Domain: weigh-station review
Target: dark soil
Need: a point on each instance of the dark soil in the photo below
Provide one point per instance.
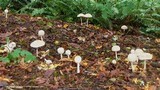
(92, 43)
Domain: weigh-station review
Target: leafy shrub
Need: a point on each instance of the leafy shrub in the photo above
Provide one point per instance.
(107, 13)
(17, 55)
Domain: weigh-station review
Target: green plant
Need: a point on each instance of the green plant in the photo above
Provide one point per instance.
(144, 14)
(17, 55)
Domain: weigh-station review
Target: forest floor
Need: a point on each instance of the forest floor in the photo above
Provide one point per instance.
(92, 43)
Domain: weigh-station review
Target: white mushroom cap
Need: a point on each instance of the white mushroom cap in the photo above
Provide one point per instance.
(132, 51)
(80, 15)
(78, 59)
(138, 51)
(114, 61)
(60, 50)
(6, 10)
(145, 56)
(132, 57)
(12, 45)
(124, 27)
(41, 33)
(115, 48)
(68, 52)
(37, 44)
(88, 15)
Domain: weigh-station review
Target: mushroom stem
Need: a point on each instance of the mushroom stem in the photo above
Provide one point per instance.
(6, 15)
(116, 55)
(61, 56)
(78, 68)
(68, 56)
(37, 52)
(81, 21)
(132, 66)
(144, 65)
(87, 22)
(42, 38)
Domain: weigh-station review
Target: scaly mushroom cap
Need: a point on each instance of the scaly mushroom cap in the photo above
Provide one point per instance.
(115, 48)
(60, 50)
(68, 52)
(80, 15)
(88, 15)
(41, 33)
(145, 56)
(132, 57)
(78, 59)
(37, 44)
(124, 27)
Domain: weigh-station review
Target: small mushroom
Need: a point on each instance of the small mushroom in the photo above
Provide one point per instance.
(88, 15)
(132, 58)
(48, 61)
(138, 52)
(37, 44)
(78, 59)
(60, 50)
(6, 13)
(114, 61)
(116, 48)
(145, 57)
(68, 53)
(124, 27)
(81, 15)
(9, 47)
(41, 34)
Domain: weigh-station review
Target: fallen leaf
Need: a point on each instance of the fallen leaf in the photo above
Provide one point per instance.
(41, 80)
(65, 25)
(48, 73)
(5, 79)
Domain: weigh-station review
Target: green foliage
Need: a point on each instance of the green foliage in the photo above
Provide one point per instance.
(17, 55)
(107, 13)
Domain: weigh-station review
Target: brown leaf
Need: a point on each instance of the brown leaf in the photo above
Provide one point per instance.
(4, 35)
(153, 87)
(75, 45)
(48, 73)
(5, 79)
(114, 72)
(41, 80)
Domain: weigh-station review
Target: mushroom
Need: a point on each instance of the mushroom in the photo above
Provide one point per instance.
(60, 50)
(48, 61)
(9, 47)
(138, 52)
(145, 57)
(114, 61)
(41, 34)
(116, 48)
(68, 52)
(37, 44)
(88, 15)
(124, 27)
(81, 15)
(6, 13)
(132, 58)
(78, 59)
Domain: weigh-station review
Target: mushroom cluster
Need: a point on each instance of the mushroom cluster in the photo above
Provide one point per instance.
(61, 50)
(38, 43)
(139, 54)
(87, 16)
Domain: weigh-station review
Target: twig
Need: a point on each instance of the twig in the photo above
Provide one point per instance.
(21, 87)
